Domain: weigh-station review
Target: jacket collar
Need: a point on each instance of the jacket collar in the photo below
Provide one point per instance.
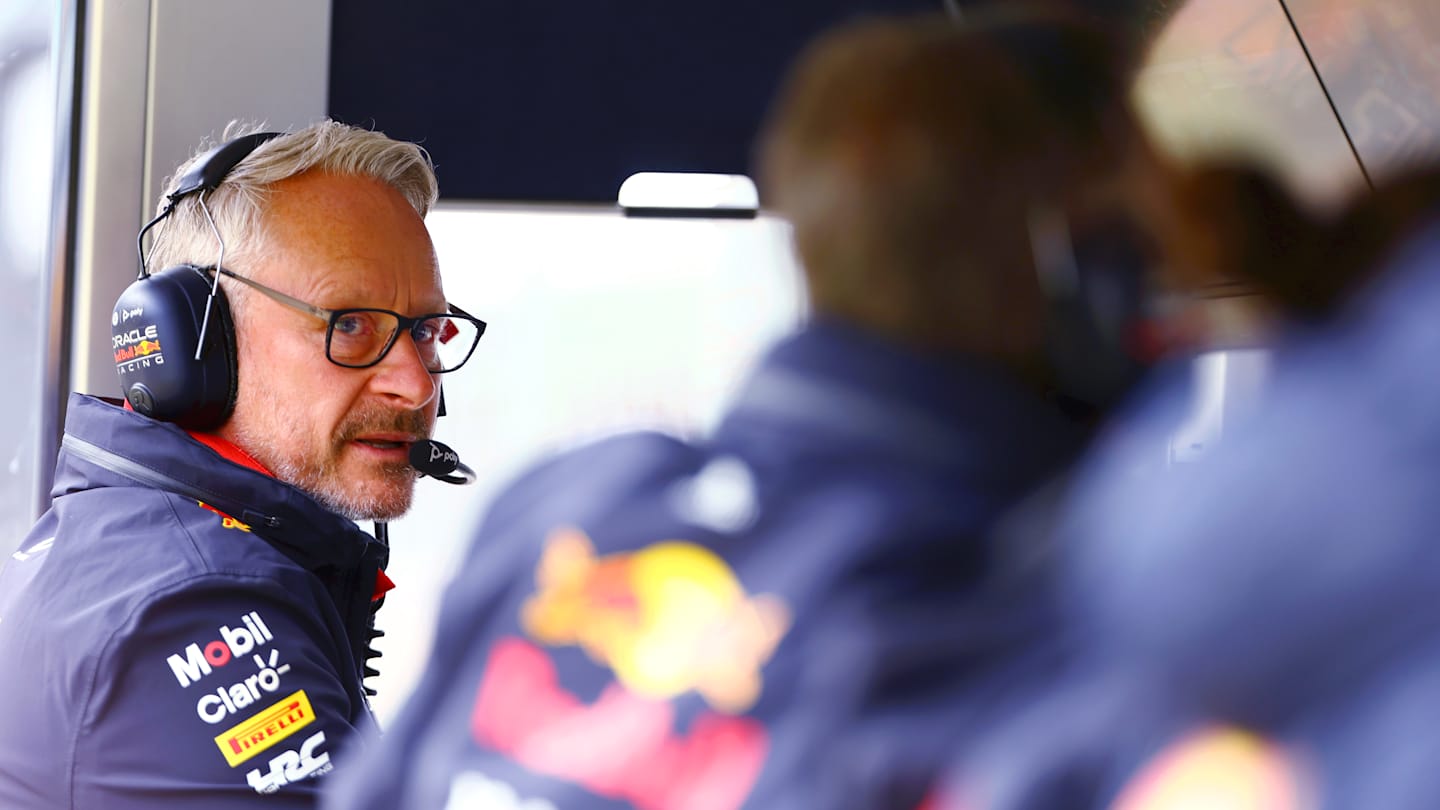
(106, 445)
(838, 382)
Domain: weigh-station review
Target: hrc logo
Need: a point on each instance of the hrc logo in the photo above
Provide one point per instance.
(265, 729)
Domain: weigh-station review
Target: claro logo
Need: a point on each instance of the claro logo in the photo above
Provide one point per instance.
(233, 643)
(227, 700)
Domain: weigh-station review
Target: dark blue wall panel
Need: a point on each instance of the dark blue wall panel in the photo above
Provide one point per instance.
(521, 100)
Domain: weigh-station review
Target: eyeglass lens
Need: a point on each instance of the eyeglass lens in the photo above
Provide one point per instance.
(362, 337)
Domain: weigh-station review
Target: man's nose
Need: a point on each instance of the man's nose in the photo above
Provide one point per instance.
(403, 376)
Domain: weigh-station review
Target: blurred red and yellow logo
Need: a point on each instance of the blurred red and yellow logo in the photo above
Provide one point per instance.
(666, 619)
(1219, 767)
(226, 522)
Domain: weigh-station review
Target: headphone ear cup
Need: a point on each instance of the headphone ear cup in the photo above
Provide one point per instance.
(156, 327)
(1099, 325)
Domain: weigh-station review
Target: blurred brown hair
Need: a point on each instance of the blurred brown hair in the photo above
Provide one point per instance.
(910, 154)
(1241, 231)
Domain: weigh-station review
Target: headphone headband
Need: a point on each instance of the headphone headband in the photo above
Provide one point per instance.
(174, 364)
(213, 166)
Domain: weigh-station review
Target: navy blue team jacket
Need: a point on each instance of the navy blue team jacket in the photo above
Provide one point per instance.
(744, 622)
(177, 630)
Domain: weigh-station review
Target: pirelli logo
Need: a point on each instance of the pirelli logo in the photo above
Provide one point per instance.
(270, 726)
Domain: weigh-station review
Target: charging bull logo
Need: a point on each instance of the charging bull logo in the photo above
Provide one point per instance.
(666, 619)
(144, 348)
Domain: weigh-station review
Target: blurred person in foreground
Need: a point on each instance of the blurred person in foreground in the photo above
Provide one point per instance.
(1260, 626)
(655, 624)
(188, 624)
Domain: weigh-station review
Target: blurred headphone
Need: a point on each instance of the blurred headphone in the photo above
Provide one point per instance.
(1101, 333)
(171, 331)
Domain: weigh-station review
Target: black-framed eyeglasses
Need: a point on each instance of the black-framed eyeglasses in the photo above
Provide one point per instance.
(360, 337)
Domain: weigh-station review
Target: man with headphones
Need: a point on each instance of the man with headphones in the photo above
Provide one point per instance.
(190, 622)
(800, 609)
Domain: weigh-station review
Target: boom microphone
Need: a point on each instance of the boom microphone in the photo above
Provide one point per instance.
(438, 461)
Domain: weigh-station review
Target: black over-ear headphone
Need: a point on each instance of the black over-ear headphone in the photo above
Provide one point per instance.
(1101, 337)
(1100, 334)
(171, 331)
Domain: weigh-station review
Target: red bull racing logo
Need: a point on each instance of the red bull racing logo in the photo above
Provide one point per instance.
(134, 348)
(621, 745)
(666, 619)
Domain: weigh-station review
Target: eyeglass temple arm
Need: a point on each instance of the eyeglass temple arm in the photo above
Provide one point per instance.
(295, 303)
(276, 295)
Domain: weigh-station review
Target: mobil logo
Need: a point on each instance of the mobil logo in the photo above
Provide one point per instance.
(198, 660)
